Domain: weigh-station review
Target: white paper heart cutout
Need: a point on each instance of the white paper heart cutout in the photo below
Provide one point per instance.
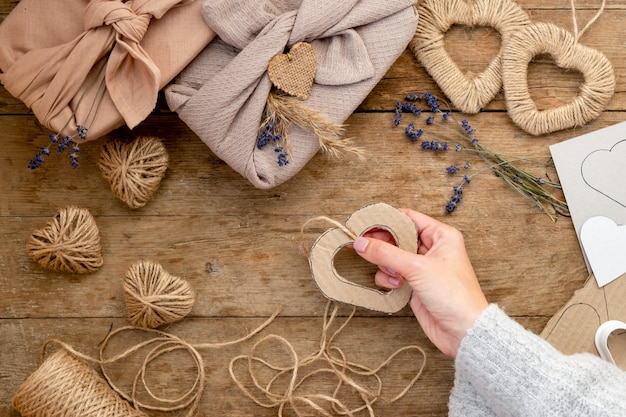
(604, 169)
(604, 243)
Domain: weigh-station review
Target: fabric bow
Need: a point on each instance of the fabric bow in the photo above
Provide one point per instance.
(222, 94)
(50, 80)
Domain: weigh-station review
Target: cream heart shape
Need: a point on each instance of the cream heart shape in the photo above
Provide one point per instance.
(334, 286)
(602, 339)
(294, 72)
(467, 92)
(545, 38)
(604, 243)
(601, 167)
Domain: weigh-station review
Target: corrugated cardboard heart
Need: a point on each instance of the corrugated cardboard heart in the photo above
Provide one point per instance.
(334, 286)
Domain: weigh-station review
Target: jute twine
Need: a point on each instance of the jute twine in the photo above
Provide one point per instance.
(544, 38)
(522, 40)
(154, 297)
(66, 386)
(328, 362)
(135, 169)
(468, 92)
(70, 242)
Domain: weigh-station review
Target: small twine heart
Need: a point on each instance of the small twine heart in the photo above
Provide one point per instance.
(70, 242)
(468, 92)
(294, 72)
(134, 170)
(154, 297)
(545, 38)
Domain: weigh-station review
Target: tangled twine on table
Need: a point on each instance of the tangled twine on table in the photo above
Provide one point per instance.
(333, 362)
(134, 170)
(521, 41)
(65, 385)
(70, 242)
(154, 297)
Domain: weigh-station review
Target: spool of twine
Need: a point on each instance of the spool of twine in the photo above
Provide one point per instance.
(66, 386)
(135, 169)
(154, 297)
(69, 243)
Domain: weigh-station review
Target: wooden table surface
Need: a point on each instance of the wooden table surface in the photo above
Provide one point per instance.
(239, 247)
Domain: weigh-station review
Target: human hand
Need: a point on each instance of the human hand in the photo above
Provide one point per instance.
(447, 297)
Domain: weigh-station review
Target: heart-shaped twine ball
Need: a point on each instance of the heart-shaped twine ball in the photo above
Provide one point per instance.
(134, 169)
(545, 38)
(294, 72)
(154, 297)
(467, 91)
(70, 242)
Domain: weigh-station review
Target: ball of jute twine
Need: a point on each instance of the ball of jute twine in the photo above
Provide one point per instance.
(70, 242)
(468, 92)
(154, 297)
(544, 38)
(67, 386)
(134, 169)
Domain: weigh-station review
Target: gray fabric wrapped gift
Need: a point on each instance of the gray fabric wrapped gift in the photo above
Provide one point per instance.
(222, 94)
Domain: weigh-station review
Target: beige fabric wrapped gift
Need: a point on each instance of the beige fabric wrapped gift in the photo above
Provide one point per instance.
(99, 63)
(222, 94)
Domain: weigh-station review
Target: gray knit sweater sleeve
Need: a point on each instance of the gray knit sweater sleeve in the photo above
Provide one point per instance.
(504, 370)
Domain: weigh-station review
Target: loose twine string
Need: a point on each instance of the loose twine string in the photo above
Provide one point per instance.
(59, 384)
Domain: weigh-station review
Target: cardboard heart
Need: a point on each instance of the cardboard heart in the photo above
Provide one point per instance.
(545, 38)
(468, 92)
(334, 286)
(604, 243)
(70, 242)
(134, 169)
(294, 72)
(601, 167)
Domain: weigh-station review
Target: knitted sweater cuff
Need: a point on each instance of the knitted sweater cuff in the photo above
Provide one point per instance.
(504, 370)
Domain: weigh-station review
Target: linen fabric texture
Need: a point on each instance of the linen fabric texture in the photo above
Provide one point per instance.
(221, 95)
(55, 54)
(504, 370)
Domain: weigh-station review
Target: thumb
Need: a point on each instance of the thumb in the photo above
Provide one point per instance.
(386, 255)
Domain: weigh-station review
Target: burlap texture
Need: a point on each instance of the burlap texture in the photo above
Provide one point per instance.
(221, 95)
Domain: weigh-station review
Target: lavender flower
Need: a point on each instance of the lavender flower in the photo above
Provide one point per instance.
(62, 145)
(537, 189)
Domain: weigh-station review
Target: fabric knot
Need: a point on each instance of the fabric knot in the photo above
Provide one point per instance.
(120, 16)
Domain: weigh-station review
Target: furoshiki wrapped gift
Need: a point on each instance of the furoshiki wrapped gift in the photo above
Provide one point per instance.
(281, 75)
(97, 64)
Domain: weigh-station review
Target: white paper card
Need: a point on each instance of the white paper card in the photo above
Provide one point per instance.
(604, 243)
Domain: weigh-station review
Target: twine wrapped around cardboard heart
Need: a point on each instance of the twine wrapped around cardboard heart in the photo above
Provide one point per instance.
(468, 92)
(134, 170)
(294, 72)
(154, 297)
(545, 38)
(70, 242)
(326, 247)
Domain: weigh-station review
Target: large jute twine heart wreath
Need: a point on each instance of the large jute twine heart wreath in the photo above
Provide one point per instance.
(70, 242)
(467, 91)
(154, 297)
(134, 169)
(545, 38)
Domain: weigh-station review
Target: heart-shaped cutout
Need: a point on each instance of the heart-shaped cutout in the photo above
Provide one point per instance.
(70, 242)
(601, 167)
(294, 72)
(134, 169)
(154, 297)
(545, 38)
(467, 92)
(336, 287)
(604, 243)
